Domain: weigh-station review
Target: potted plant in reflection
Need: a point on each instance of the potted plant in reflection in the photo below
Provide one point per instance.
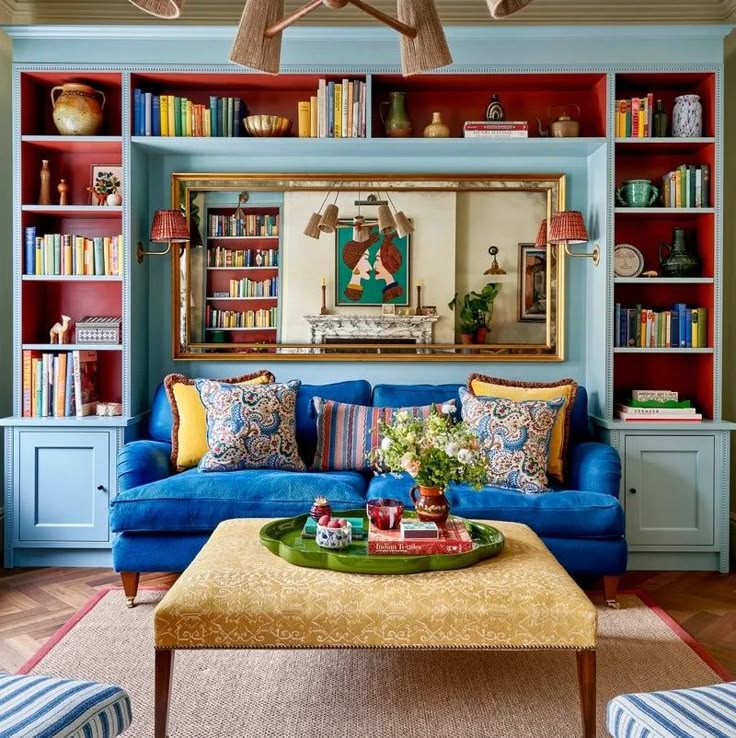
(475, 313)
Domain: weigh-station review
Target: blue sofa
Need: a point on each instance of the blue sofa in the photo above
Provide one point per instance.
(161, 519)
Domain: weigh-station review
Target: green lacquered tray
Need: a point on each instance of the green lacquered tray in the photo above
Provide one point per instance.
(284, 538)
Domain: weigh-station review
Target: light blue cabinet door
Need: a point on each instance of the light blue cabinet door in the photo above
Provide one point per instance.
(63, 485)
(669, 490)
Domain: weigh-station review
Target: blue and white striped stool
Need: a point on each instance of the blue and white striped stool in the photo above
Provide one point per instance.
(702, 712)
(46, 707)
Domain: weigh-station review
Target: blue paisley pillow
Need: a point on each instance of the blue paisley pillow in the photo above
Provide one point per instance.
(515, 437)
(250, 426)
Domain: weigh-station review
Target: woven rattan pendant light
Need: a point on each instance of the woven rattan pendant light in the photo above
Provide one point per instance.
(428, 49)
(251, 47)
(160, 8)
(502, 8)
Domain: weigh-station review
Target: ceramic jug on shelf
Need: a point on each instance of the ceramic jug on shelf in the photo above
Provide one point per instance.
(396, 122)
(77, 109)
(679, 262)
(564, 126)
(637, 193)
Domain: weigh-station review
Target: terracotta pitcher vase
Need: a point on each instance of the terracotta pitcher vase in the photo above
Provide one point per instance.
(77, 109)
(431, 504)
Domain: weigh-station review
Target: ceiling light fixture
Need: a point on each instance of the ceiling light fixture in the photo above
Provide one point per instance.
(257, 43)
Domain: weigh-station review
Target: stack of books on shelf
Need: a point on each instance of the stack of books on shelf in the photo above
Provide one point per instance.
(222, 257)
(680, 327)
(60, 384)
(658, 406)
(252, 288)
(263, 318)
(59, 254)
(336, 111)
(496, 129)
(688, 186)
(169, 115)
(634, 117)
(414, 537)
(254, 224)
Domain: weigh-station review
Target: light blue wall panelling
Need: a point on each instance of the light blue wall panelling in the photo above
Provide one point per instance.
(160, 362)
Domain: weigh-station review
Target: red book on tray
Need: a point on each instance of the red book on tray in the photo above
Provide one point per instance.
(454, 538)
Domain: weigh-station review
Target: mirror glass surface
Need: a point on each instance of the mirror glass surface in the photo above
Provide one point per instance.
(467, 280)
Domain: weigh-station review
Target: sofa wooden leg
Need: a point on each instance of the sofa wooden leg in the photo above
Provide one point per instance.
(610, 591)
(130, 585)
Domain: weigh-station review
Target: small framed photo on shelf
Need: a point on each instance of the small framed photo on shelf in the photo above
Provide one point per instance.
(404, 311)
(427, 310)
(106, 184)
(388, 308)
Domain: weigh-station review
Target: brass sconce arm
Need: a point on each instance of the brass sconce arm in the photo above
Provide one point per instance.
(140, 252)
(595, 254)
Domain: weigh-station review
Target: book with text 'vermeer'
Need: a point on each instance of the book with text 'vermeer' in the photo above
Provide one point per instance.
(453, 538)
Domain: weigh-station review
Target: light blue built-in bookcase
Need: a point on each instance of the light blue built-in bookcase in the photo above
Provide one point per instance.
(61, 472)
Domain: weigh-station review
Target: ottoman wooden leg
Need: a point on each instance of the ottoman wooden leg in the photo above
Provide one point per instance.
(586, 682)
(164, 673)
(130, 585)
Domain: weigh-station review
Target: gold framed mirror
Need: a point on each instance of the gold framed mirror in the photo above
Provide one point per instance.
(470, 282)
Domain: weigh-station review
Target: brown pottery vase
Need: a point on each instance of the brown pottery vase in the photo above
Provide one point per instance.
(431, 504)
(77, 109)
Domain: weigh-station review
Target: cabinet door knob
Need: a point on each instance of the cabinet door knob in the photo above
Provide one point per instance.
(101, 487)
(632, 491)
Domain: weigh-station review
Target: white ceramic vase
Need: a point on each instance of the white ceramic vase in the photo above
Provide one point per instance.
(114, 198)
(687, 117)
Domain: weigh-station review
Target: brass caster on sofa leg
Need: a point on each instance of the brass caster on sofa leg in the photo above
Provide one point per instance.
(131, 601)
(613, 604)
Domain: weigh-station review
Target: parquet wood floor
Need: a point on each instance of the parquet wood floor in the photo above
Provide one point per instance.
(34, 603)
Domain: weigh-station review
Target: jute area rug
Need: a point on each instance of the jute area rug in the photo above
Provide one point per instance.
(331, 694)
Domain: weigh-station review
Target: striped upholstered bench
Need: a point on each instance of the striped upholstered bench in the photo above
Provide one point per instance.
(701, 712)
(46, 707)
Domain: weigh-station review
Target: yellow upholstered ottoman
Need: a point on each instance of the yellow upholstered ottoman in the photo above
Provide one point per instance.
(237, 594)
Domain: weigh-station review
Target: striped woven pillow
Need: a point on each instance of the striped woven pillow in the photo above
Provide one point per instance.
(51, 707)
(346, 434)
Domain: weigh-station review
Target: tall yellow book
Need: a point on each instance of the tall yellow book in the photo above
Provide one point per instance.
(171, 109)
(304, 117)
(314, 116)
(338, 111)
(164, 108)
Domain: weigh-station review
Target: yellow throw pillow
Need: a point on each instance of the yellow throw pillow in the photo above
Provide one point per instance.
(483, 386)
(189, 430)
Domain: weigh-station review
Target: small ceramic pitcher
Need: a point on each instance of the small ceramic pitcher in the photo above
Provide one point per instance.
(637, 193)
(396, 121)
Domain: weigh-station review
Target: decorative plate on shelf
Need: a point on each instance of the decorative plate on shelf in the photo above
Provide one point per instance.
(627, 260)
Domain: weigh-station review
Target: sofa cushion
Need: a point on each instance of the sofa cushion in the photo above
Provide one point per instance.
(405, 395)
(484, 386)
(250, 426)
(192, 501)
(161, 420)
(354, 391)
(563, 513)
(189, 433)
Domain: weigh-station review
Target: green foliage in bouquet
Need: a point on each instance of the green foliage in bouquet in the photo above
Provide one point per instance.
(435, 451)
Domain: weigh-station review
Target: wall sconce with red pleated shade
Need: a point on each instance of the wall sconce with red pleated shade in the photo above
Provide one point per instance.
(169, 226)
(568, 227)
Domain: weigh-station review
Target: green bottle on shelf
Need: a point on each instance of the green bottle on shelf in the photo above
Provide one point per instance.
(659, 121)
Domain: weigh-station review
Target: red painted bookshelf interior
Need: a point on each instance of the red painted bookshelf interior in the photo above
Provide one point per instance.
(524, 97)
(218, 280)
(690, 374)
(45, 300)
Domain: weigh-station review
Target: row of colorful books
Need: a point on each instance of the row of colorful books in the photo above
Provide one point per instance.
(60, 384)
(60, 254)
(169, 115)
(496, 129)
(680, 327)
(634, 117)
(254, 224)
(222, 257)
(252, 288)
(688, 186)
(336, 111)
(263, 318)
(656, 406)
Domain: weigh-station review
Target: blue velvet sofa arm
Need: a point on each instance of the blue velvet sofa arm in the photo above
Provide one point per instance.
(142, 462)
(595, 467)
